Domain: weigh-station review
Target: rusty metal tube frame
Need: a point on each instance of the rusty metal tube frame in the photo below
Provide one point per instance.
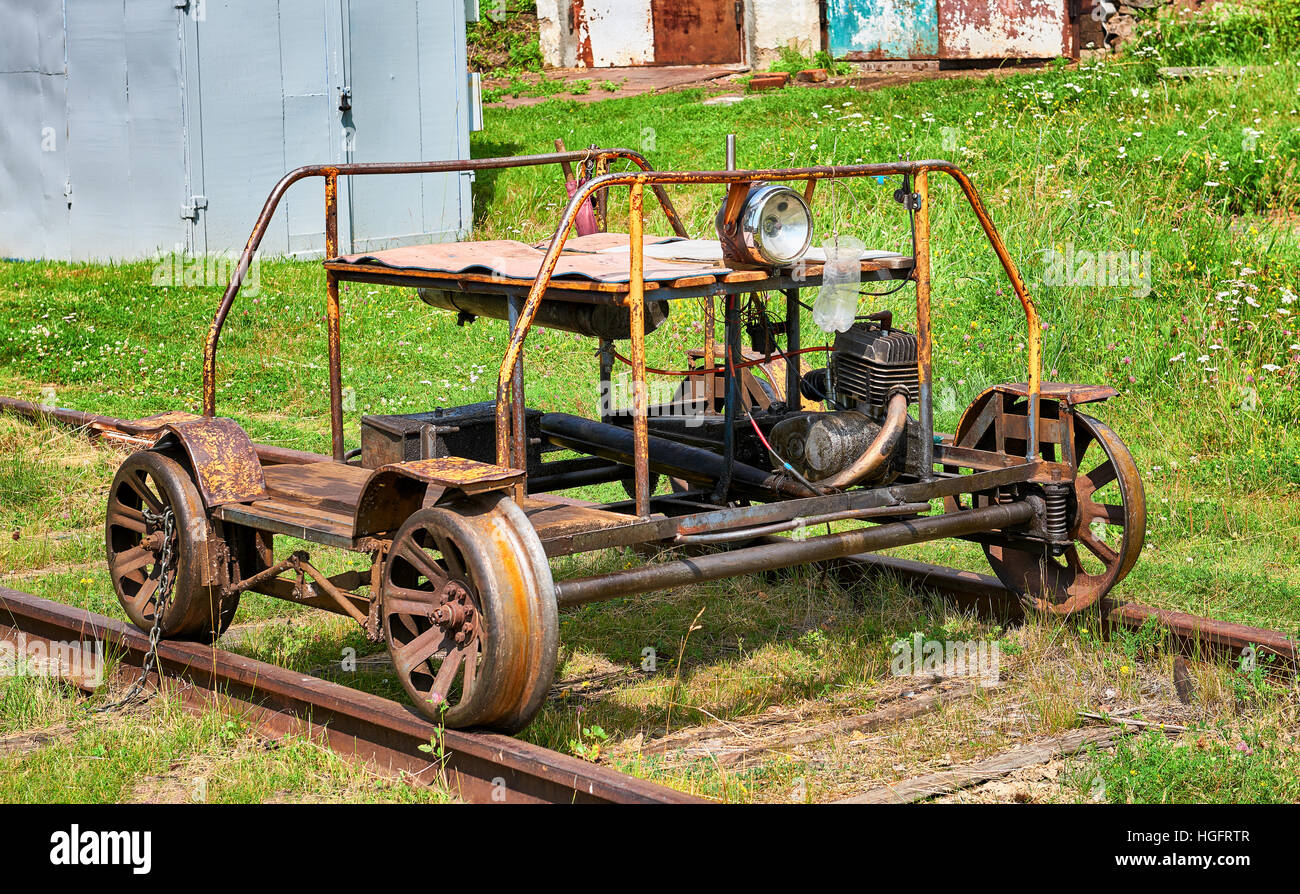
(657, 179)
(331, 173)
(786, 553)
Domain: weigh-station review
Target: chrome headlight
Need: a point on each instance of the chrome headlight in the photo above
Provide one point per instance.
(773, 226)
(777, 223)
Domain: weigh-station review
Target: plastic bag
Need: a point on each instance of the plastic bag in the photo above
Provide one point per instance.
(837, 299)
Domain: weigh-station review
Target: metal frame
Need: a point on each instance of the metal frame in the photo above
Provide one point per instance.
(689, 518)
(509, 383)
(331, 174)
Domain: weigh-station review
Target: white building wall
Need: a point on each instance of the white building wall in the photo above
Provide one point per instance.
(558, 50)
(621, 32)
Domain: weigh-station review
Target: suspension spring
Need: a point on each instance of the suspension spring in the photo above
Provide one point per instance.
(1055, 521)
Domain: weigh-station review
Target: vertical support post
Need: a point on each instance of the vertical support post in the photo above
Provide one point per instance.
(606, 379)
(710, 321)
(730, 350)
(332, 328)
(636, 315)
(793, 399)
(924, 335)
(519, 443)
(710, 350)
(600, 201)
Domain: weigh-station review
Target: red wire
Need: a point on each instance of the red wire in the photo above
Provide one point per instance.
(713, 370)
(758, 431)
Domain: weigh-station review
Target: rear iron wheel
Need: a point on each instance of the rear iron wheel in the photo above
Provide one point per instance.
(1105, 516)
(469, 614)
(147, 485)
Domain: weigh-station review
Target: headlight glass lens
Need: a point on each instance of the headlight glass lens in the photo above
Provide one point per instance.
(777, 221)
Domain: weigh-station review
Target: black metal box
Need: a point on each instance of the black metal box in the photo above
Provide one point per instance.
(468, 431)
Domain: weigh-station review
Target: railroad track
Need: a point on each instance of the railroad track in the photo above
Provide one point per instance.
(478, 767)
(1197, 636)
(1194, 635)
(486, 767)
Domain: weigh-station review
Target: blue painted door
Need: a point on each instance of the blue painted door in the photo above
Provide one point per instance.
(883, 29)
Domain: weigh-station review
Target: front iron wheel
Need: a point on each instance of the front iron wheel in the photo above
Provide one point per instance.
(469, 614)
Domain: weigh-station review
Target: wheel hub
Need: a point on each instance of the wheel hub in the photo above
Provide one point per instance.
(456, 614)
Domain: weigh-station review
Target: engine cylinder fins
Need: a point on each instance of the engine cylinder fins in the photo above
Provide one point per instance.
(868, 361)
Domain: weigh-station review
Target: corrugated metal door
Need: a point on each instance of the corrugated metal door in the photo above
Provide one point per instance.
(260, 102)
(92, 146)
(405, 67)
(34, 174)
(883, 29)
(692, 32)
(276, 85)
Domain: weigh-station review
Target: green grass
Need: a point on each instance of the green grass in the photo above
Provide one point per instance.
(1200, 173)
(504, 39)
(1212, 767)
(792, 62)
(168, 754)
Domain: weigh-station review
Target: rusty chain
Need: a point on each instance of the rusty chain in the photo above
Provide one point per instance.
(167, 520)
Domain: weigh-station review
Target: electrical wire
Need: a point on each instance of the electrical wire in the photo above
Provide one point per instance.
(713, 370)
(731, 368)
(911, 221)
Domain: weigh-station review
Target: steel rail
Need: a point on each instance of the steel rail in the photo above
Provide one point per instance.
(1193, 635)
(479, 767)
(131, 433)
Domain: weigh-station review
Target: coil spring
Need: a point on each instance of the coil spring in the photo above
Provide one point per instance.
(1055, 521)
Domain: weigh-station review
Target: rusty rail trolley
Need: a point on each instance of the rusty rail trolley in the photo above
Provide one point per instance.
(457, 508)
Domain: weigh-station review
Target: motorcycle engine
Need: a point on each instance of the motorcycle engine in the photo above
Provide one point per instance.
(868, 361)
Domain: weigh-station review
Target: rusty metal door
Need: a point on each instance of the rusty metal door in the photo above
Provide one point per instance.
(883, 29)
(693, 32)
(1006, 29)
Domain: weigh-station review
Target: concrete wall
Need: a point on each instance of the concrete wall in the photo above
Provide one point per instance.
(774, 24)
(558, 48)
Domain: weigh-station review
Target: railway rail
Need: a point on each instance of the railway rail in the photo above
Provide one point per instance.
(477, 766)
(1193, 635)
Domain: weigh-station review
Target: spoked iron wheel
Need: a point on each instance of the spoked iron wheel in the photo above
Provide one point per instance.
(469, 614)
(148, 485)
(1105, 516)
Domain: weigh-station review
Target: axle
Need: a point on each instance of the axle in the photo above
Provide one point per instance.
(770, 556)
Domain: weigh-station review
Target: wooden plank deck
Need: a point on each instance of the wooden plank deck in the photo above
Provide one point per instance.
(317, 502)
